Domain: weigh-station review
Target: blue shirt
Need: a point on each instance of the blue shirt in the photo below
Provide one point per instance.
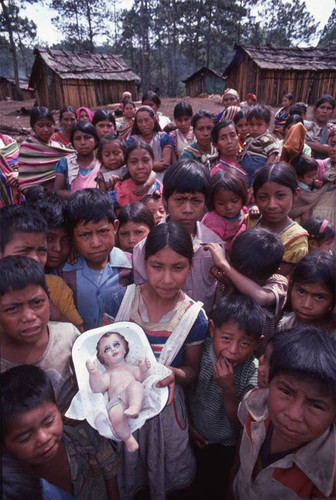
(92, 289)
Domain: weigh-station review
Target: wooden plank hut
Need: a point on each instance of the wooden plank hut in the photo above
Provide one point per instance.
(8, 89)
(270, 72)
(61, 77)
(205, 81)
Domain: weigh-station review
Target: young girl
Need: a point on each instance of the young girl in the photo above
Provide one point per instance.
(125, 123)
(312, 293)
(78, 171)
(38, 154)
(154, 203)
(240, 120)
(317, 133)
(67, 119)
(147, 128)
(151, 99)
(228, 196)
(84, 114)
(321, 234)
(104, 122)
(111, 154)
(140, 161)
(183, 135)
(169, 318)
(135, 222)
(275, 188)
(225, 140)
(202, 149)
(281, 115)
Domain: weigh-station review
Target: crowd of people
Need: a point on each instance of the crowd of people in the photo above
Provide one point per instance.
(215, 230)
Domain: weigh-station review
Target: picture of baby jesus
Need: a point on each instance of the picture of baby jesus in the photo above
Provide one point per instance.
(123, 383)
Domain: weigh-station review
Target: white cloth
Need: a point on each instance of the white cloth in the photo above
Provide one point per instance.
(92, 407)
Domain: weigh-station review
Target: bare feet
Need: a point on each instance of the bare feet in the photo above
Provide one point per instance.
(132, 411)
(131, 444)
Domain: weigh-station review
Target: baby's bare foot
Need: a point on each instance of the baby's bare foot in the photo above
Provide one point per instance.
(132, 444)
(132, 411)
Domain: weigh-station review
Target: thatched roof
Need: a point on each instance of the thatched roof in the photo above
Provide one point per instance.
(22, 82)
(286, 58)
(204, 70)
(86, 66)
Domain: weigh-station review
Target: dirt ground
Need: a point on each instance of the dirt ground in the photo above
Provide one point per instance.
(16, 113)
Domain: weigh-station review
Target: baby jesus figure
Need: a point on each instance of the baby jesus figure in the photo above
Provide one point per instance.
(123, 383)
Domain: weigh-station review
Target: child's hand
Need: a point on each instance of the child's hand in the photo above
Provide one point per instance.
(12, 179)
(254, 212)
(218, 273)
(112, 182)
(223, 374)
(197, 438)
(318, 184)
(218, 255)
(170, 383)
(91, 366)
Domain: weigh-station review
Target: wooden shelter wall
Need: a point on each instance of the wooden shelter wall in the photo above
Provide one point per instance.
(7, 89)
(269, 85)
(76, 93)
(195, 86)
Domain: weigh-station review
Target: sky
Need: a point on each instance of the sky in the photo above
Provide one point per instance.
(320, 9)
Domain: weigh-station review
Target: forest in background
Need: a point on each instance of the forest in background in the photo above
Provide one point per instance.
(163, 41)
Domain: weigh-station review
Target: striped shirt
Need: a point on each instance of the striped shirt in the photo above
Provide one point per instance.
(207, 403)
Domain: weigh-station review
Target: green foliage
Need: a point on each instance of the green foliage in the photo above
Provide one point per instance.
(328, 34)
(285, 23)
(81, 22)
(18, 31)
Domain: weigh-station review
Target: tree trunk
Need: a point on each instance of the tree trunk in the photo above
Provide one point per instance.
(12, 48)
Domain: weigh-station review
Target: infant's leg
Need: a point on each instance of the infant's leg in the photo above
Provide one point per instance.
(134, 393)
(120, 425)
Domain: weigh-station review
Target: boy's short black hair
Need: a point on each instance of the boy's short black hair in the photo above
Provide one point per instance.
(243, 310)
(186, 176)
(260, 112)
(23, 388)
(305, 352)
(19, 271)
(54, 210)
(90, 205)
(17, 218)
(257, 253)
(304, 164)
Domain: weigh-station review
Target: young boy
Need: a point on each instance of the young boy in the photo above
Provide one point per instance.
(254, 260)
(27, 334)
(59, 241)
(288, 449)
(306, 173)
(101, 269)
(77, 459)
(186, 187)
(260, 146)
(23, 232)
(228, 371)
